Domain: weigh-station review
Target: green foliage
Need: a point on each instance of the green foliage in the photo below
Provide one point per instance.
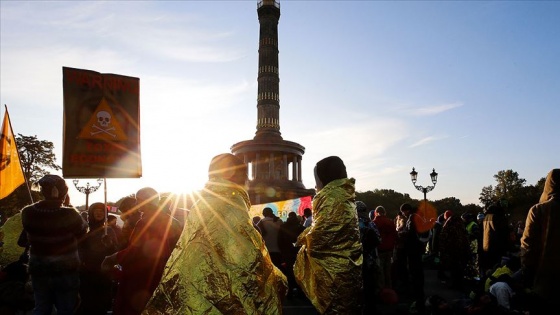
(36, 157)
(510, 190)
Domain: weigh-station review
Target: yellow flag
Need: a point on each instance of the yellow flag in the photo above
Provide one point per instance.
(11, 174)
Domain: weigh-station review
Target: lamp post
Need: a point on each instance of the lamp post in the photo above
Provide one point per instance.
(427, 189)
(87, 189)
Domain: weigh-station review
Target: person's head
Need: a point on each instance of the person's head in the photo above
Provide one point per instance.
(293, 217)
(147, 199)
(112, 219)
(96, 213)
(228, 166)
(307, 212)
(256, 219)
(127, 204)
(267, 212)
(467, 217)
(362, 209)
(495, 208)
(406, 209)
(53, 187)
(128, 208)
(551, 185)
(380, 211)
(480, 216)
(447, 214)
(328, 169)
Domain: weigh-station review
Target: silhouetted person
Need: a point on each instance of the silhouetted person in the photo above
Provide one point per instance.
(143, 260)
(221, 264)
(495, 239)
(52, 231)
(287, 237)
(540, 244)
(328, 267)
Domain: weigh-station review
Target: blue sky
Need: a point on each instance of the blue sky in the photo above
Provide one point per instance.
(466, 87)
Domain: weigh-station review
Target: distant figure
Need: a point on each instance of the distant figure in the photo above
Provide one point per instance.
(53, 231)
(329, 264)
(414, 248)
(130, 214)
(388, 232)
(436, 231)
(495, 239)
(308, 215)
(113, 225)
(221, 264)
(270, 226)
(540, 244)
(454, 248)
(371, 271)
(95, 285)
(143, 260)
(400, 277)
(473, 234)
(287, 237)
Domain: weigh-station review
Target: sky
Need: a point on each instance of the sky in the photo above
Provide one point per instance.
(468, 88)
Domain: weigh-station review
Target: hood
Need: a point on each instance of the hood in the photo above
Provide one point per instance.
(551, 185)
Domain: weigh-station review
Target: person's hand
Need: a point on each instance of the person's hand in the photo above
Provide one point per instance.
(109, 263)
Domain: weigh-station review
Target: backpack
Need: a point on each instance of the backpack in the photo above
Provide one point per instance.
(424, 236)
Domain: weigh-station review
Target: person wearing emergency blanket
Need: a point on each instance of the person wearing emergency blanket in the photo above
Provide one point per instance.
(329, 264)
(220, 264)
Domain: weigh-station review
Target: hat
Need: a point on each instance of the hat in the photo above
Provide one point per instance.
(53, 187)
(447, 214)
(480, 216)
(380, 211)
(361, 206)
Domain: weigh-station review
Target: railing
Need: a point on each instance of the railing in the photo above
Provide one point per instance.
(268, 2)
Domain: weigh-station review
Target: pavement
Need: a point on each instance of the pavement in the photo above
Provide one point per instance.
(432, 286)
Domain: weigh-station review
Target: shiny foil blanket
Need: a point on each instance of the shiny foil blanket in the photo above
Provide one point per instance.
(329, 264)
(220, 264)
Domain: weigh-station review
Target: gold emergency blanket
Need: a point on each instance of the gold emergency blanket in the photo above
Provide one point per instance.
(329, 264)
(220, 264)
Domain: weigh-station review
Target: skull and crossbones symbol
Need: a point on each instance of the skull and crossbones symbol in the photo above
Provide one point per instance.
(104, 122)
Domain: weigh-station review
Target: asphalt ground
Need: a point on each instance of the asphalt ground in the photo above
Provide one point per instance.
(300, 305)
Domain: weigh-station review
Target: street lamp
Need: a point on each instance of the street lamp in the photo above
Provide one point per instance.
(427, 189)
(87, 189)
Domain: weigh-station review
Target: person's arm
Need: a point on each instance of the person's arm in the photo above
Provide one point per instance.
(109, 262)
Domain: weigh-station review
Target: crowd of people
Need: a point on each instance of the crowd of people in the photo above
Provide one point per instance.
(339, 255)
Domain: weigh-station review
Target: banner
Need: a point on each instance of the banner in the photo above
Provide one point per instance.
(11, 173)
(282, 208)
(101, 132)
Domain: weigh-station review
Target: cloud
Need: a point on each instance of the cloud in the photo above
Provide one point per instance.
(426, 140)
(434, 110)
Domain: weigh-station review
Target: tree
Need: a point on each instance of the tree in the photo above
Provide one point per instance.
(487, 196)
(449, 203)
(36, 156)
(508, 185)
